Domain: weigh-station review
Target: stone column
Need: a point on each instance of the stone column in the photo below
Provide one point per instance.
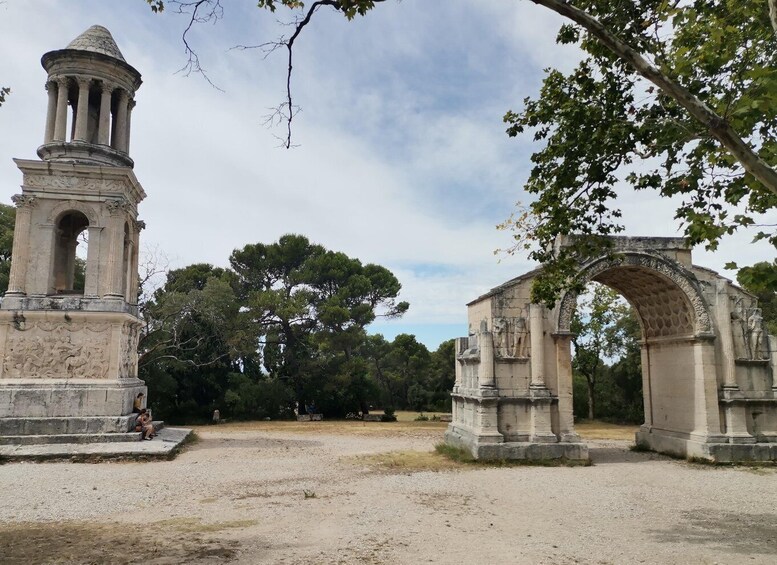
(51, 111)
(104, 129)
(82, 111)
(566, 416)
(537, 338)
(119, 139)
(92, 274)
(60, 127)
(21, 245)
(130, 106)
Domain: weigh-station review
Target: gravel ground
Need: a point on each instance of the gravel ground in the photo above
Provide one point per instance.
(254, 496)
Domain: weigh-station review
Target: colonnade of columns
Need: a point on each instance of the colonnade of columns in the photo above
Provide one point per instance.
(112, 130)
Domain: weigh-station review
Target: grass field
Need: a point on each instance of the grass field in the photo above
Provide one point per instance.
(406, 424)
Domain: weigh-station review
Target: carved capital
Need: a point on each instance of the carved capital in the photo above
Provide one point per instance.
(23, 200)
(116, 205)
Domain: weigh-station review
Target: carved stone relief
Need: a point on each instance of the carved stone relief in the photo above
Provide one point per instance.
(63, 182)
(129, 352)
(669, 304)
(57, 350)
(511, 337)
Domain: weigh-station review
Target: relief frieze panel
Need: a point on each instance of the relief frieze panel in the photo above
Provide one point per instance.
(69, 183)
(511, 337)
(58, 350)
(128, 363)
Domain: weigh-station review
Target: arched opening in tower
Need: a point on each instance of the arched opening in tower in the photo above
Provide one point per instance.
(70, 253)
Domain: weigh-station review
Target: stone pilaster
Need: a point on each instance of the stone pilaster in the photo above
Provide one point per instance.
(115, 275)
(723, 319)
(705, 395)
(647, 389)
(565, 403)
(21, 245)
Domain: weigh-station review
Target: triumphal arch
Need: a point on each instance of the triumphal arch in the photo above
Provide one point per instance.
(709, 368)
(68, 323)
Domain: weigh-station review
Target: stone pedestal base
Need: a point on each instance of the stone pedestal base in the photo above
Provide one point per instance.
(484, 448)
(714, 450)
(88, 411)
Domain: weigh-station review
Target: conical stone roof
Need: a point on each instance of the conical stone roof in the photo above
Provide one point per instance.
(97, 39)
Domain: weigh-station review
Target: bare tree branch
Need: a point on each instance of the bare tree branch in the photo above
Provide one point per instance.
(200, 11)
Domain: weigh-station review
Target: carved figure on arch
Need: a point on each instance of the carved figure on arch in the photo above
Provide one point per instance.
(520, 338)
(754, 333)
(501, 329)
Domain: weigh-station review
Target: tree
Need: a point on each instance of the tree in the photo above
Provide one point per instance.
(712, 92)
(194, 337)
(761, 280)
(7, 221)
(310, 308)
(598, 334)
(619, 393)
(688, 85)
(4, 92)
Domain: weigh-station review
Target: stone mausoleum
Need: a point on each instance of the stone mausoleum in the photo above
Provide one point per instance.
(709, 368)
(69, 328)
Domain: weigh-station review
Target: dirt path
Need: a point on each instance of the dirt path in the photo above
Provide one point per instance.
(315, 494)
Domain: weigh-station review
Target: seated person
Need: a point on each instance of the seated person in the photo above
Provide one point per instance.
(137, 404)
(144, 424)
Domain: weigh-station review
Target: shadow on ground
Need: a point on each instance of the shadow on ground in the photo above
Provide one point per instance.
(607, 452)
(733, 532)
(169, 541)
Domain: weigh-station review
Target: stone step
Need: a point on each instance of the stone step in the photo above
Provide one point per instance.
(66, 426)
(70, 438)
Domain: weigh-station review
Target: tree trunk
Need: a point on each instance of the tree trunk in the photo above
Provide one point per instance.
(591, 406)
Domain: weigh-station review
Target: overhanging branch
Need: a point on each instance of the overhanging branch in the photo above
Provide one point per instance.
(718, 127)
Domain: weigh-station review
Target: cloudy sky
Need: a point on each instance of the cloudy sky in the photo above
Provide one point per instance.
(402, 157)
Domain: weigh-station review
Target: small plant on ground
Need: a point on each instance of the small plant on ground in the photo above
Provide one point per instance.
(422, 418)
(309, 494)
(456, 454)
(640, 447)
